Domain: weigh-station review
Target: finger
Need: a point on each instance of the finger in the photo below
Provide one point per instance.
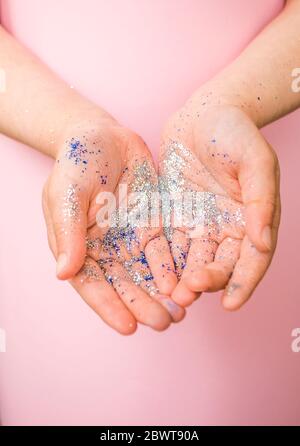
(215, 275)
(179, 246)
(249, 270)
(145, 309)
(68, 208)
(259, 180)
(139, 271)
(201, 253)
(161, 264)
(49, 226)
(176, 312)
(93, 246)
(91, 284)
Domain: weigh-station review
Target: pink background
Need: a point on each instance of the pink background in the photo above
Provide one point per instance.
(141, 60)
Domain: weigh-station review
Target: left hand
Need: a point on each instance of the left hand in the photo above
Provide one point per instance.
(217, 150)
(114, 270)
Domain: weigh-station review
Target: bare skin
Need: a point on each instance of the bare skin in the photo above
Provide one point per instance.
(220, 125)
(227, 155)
(95, 159)
(108, 148)
(231, 162)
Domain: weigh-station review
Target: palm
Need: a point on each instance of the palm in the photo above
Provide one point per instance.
(120, 278)
(203, 152)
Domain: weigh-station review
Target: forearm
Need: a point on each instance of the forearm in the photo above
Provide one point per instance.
(260, 79)
(35, 105)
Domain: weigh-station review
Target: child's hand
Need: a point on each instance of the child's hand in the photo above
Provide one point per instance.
(216, 149)
(120, 277)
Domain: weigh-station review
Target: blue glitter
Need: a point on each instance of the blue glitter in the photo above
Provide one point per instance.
(115, 236)
(143, 259)
(103, 179)
(77, 152)
(109, 279)
(180, 262)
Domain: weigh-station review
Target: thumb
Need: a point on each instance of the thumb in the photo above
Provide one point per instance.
(68, 210)
(259, 180)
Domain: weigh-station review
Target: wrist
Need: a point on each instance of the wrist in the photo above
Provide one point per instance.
(222, 92)
(82, 121)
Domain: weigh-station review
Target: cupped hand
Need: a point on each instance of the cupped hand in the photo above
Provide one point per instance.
(115, 269)
(216, 150)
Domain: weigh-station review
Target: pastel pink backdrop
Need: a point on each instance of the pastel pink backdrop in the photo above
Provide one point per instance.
(141, 60)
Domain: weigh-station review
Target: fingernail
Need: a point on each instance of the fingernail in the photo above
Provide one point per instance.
(61, 263)
(266, 236)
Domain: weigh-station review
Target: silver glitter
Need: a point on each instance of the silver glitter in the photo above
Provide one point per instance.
(136, 276)
(143, 178)
(143, 276)
(90, 272)
(232, 288)
(124, 225)
(111, 279)
(172, 180)
(71, 206)
(197, 209)
(123, 229)
(93, 244)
